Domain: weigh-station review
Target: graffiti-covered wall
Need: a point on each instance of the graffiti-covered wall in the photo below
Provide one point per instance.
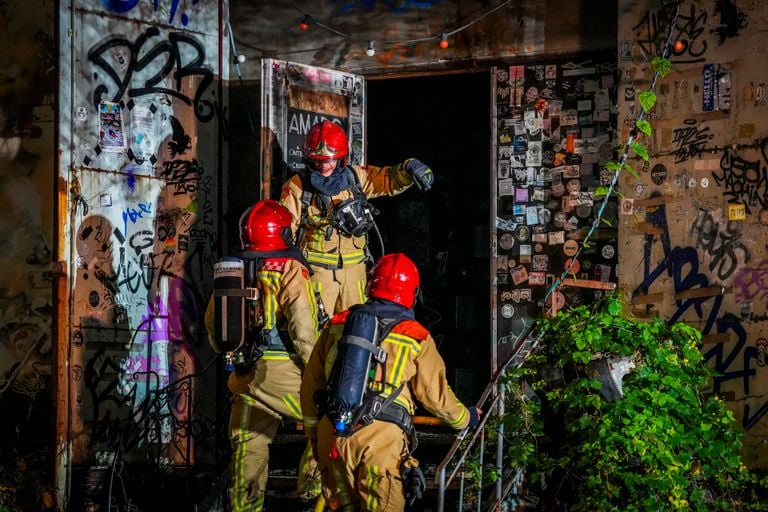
(141, 115)
(27, 88)
(693, 224)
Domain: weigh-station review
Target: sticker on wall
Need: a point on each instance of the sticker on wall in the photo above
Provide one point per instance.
(626, 206)
(507, 241)
(608, 251)
(570, 248)
(507, 310)
(762, 217)
(537, 278)
(111, 134)
(658, 174)
(559, 219)
(736, 211)
(704, 182)
(572, 266)
(519, 274)
(522, 233)
(639, 189)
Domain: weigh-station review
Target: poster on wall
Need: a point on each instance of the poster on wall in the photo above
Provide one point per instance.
(299, 123)
(111, 133)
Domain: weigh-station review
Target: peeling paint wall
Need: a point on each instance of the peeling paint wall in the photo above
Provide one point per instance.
(27, 86)
(693, 234)
(141, 118)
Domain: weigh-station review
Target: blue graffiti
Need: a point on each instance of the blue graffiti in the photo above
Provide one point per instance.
(121, 6)
(133, 214)
(393, 5)
(682, 265)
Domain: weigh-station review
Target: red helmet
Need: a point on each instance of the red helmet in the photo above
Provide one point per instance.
(326, 140)
(265, 226)
(394, 277)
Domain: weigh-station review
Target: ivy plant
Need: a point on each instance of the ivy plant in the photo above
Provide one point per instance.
(663, 444)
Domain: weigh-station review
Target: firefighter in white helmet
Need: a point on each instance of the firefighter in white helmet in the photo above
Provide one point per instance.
(357, 393)
(331, 213)
(280, 329)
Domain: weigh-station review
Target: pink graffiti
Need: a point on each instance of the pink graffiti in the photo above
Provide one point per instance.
(751, 282)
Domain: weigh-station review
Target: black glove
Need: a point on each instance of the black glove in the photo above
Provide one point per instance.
(420, 173)
(415, 484)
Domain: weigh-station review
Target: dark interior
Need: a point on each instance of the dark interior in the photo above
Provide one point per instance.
(443, 120)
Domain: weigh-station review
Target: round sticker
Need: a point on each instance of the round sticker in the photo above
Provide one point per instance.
(692, 183)
(570, 247)
(506, 241)
(639, 189)
(560, 218)
(608, 251)
(658, 174)
(522, 233)
(572, 266)
(646, 166)
(559, 300)
(538, 248)
(583, 211)
(704, 182)
(507, 310)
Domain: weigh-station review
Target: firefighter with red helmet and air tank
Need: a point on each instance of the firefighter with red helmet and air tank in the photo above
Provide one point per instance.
(332, 215)
(370, 363)
(263, 319)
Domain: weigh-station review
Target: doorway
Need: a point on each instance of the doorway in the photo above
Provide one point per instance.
(444, 121)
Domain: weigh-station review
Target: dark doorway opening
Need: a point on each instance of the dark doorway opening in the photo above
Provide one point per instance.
(444, 121)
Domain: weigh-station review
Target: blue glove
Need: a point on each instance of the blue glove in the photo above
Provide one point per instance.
(420, 173)
(474, 416)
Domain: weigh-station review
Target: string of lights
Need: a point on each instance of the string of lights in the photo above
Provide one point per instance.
(307, 20)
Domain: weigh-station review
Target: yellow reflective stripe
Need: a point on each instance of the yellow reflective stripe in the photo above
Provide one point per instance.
(277, 355)
(372, 501)
(323, 258)
(353, 257)
(402, 339)
(458, 421)
(361, 290)
(310, 421)
(270, 284)
(327, 258)
(312, 306)
(290, 401)
(396, 375)
(240, 453)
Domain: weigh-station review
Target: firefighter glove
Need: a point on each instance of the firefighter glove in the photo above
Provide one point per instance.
(415, 484)
(420, 173)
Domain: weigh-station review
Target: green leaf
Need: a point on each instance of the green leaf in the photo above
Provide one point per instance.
(612, 166)
(644, 126)
(647, 100)
(601, 191)
(661, 66)
(640, 150)
(631, 171)
(607, 222)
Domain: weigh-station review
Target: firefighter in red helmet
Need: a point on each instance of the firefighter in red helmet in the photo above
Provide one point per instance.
(370, 364)
(331, 213)
(277, 324)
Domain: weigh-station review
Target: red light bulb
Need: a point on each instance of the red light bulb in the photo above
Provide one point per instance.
(304, 25)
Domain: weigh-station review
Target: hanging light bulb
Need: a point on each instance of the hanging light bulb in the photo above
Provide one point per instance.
(371, 51)
(304, 25)
(444, 41)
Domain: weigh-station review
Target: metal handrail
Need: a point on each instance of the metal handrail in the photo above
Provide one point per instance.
(525, 343)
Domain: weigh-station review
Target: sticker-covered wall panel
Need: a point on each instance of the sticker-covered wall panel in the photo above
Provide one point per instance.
(554, 127)
(144, 114)
(693, 237)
